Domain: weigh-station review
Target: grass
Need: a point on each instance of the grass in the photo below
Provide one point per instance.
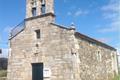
(117, 77)
(3, 73)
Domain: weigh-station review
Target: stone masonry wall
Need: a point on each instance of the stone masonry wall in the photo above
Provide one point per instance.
(68, 57)
(96, 62)
(54, 50)
(49, 7)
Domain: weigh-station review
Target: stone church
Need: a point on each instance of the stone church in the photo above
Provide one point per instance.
(40, 49)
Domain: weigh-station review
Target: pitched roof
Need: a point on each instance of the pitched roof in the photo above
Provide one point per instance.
(85, 37)
(92, 40)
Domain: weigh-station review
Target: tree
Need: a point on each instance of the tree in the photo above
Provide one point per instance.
(3, 63)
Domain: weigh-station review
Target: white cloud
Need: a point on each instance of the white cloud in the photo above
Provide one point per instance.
(104, 39)
(78, 12)
(4, 52)
(111, 12)
(111, 16)
(69, 13)
(8, 29)
(0, 38)
(111, 7)
(113, 27)
(118, 48)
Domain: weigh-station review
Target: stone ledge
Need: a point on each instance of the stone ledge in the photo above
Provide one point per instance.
(40, 16)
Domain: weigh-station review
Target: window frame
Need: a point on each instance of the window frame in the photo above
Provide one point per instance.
(99, 55)
(34, 11)
(38, 34)
(43, 7)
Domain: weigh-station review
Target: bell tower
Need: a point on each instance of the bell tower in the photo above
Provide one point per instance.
(39, 7)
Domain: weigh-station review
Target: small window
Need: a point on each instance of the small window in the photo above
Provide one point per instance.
(37, 34)
(99, 55)
(43, 6)
(92, 44)
(43, 9)
(34, 11)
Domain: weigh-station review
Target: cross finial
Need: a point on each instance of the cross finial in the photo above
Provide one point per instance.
(72, 25)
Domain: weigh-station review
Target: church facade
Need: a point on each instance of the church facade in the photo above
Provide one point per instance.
(44, 50)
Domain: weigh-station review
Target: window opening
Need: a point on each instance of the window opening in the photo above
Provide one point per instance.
(34, 12)
(43, 7)
(98, 55)
(37, 33)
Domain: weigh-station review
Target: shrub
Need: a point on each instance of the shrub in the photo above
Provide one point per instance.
(3, 63)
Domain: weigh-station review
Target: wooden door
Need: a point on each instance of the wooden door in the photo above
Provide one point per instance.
(37, 71)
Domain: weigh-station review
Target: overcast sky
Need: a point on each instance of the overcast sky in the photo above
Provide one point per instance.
(99, 19)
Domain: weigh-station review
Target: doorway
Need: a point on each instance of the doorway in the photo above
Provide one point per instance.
(37, 71)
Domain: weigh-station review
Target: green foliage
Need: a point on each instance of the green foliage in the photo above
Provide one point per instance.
(3, 73)
(117, 77)
(3, 63)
